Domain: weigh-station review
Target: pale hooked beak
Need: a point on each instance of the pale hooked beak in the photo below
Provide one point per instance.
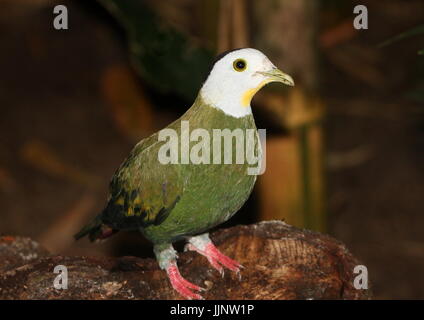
(276, 75)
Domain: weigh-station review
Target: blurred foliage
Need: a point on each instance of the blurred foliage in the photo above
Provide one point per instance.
(419, 30)
(417, 91)
(163, 57)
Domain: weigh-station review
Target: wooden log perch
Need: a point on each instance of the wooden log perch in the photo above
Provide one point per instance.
(281, 262)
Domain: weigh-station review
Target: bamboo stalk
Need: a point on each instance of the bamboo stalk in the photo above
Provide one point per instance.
(224, 36)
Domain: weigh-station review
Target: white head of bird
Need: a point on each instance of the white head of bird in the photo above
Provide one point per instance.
(236, 77)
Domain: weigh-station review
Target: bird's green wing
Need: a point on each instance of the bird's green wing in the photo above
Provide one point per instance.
(143, 191)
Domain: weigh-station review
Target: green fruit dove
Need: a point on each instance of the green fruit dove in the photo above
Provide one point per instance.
(178, 199)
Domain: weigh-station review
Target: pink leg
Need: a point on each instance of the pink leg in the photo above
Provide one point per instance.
(213, 253)
(203, 245)
(181, 285)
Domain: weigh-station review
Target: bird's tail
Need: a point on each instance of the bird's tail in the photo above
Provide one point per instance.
(96, 230)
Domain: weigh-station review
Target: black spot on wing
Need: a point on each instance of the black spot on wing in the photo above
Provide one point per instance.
(137, 210)
(134, 194)
(164, 212)
(161, 216)
(116, 213)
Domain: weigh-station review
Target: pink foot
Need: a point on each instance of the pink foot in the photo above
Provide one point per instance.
(181, 285)
(216, 258)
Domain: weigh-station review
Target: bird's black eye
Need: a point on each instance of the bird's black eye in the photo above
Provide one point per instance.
(239, 65)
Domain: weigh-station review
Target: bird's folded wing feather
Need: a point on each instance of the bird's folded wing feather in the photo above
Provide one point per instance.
(143, 191)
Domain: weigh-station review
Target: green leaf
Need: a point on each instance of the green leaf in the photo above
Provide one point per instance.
(408, 34)
(163, 57)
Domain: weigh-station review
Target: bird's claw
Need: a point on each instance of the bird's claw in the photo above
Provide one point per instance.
(181, 285)
(217, 259)
(238, 273)
(212, 253)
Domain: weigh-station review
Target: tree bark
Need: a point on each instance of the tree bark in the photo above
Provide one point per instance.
(281, 262)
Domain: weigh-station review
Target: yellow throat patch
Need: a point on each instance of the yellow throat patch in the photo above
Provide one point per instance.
(248, 95)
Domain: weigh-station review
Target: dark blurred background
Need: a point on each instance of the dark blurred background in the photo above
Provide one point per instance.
(345, 148)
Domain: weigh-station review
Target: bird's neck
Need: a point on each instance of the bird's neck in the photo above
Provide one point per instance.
(206, 116)
(231, 103)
